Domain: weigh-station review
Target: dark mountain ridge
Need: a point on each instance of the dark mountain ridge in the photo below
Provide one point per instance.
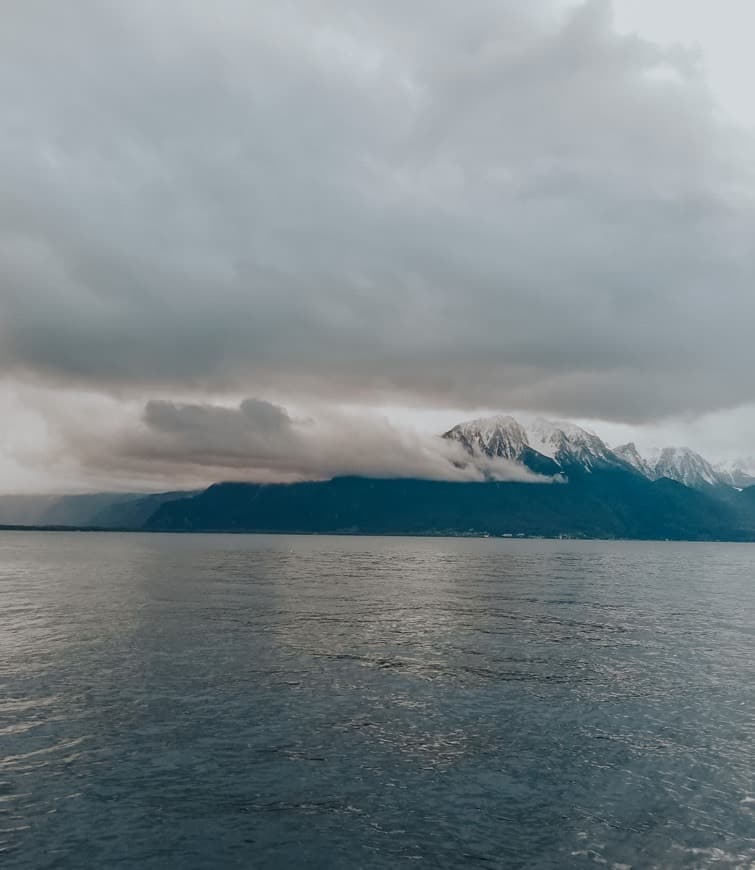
(599, 504)
(611, 504)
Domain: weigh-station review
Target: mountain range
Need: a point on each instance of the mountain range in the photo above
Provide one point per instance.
(545, 447)
(585, 489)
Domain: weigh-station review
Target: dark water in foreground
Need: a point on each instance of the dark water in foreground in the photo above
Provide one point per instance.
(197, 702)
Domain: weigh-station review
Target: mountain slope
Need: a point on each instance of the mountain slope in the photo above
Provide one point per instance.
(103, 510)
(133, 512)
(605, 504)
(631, 455)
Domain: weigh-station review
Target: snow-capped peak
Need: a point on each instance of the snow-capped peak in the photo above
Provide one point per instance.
(676, 463)
(542, 444)
(739, 473)
(546, 437)
(500, 436)
(568, 443)
(686, 466)
(631, 455)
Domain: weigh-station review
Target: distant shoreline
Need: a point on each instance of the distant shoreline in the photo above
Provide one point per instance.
(337, 534)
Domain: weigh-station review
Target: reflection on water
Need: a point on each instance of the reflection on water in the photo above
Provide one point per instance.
(196, 702)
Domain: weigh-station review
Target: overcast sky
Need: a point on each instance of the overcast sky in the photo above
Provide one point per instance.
(280, 239)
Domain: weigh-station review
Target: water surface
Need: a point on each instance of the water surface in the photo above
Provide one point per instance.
(248, 701)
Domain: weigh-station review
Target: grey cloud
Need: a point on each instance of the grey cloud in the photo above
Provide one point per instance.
(259, 440)
(441, 203)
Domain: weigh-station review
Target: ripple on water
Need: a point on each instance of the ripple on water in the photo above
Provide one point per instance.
(248, 701)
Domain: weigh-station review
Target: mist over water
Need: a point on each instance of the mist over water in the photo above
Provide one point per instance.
(220, 701)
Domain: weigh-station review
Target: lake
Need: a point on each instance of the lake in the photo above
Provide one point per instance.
(195, 701)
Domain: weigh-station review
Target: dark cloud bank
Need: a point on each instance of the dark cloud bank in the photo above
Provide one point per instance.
(497, 204)
(510, 208)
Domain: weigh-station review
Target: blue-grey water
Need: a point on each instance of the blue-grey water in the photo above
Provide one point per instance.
(312, 702)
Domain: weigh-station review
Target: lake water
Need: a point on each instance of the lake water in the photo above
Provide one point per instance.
(322, 702)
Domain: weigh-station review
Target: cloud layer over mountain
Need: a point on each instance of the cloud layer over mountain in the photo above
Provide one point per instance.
(260, 441)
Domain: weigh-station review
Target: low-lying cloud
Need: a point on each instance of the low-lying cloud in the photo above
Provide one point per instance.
(258, 440)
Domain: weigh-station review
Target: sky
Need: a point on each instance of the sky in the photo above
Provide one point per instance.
(275, 240)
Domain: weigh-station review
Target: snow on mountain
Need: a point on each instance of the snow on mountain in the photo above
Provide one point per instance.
(686, 466)
(543, 445)
(501, 436)
(550, 447)
(676, 463)
(569, 444)
(739, 473)
(631, 455)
